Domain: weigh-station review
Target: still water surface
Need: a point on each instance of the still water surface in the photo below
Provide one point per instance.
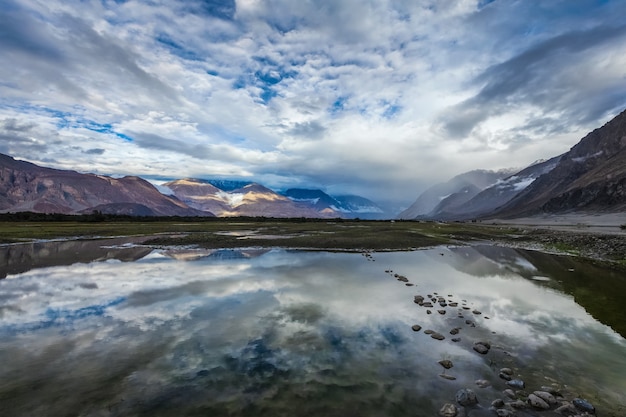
(131, 331)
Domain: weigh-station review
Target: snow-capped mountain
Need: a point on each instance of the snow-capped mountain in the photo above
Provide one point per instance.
(489, 199)
(350, 206)
(590, 177)
(251, 199)
(453, 193)
(28, 187)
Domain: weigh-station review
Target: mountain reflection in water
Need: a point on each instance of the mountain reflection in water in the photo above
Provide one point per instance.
(258, 332)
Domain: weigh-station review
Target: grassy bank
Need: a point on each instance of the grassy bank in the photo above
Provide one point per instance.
(214, 233)
(319, 234)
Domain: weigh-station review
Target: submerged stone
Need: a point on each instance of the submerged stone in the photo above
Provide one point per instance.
(509, 393)
(546, 396)
(497, 403)
(537, 402)
(466, 397)
(481, 348)
(584, 405)
(504, 376)
(482, 383)
(416, 327)
(507, 371)
(516, 383)
(448, 410)
(446, 363)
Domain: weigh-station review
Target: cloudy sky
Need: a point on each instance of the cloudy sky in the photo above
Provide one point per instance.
(376, 97)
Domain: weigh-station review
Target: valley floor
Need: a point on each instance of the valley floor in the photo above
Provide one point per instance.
(598, 238)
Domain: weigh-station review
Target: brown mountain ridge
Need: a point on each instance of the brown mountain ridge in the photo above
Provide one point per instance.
(28, 187)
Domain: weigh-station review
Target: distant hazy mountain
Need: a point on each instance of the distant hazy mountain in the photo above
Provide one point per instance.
(317, 199)
(360, 207)
(28, 187)
(489, 199)
(444, 197)
(350, 206)
(251, 199)
(590, 177)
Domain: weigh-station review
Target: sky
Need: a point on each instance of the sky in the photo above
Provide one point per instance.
(381, 98)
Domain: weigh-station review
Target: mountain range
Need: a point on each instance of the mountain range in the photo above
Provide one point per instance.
(28, 187)
(589, 178)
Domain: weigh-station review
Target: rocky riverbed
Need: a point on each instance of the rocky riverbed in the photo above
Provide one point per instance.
(517, 398)
(607, 247)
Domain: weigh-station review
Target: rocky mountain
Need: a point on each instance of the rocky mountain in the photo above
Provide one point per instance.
(447, 196)
(489, 199)
(28, 187)
(590, 177)
(250, 200)
(228, 185)
(350, 206)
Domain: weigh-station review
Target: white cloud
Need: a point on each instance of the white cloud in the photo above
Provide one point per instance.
(354, 95)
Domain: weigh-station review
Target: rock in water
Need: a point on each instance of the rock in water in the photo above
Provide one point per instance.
(448, 410)
(497, 403)
(509, 393)
(466, 397)
(482, 383)
(519, 404)
(506, 371)
(516, 383)
(437, 336)
(546, 396)
(448, 377)
(537, 402)
(504, 376)
(481, 348)
(446, 363)
(584, 405)
(416, 327)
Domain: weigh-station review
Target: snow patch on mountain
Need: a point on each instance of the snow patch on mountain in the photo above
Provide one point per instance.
(232, 199)
(586, 157)
(515, 182)
(312, 201)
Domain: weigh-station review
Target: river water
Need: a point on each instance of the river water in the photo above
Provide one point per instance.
(99, 328)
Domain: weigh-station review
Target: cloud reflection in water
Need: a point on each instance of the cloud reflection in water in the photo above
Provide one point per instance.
(321, 333)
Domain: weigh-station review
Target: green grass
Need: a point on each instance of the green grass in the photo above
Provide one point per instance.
(333, 234)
